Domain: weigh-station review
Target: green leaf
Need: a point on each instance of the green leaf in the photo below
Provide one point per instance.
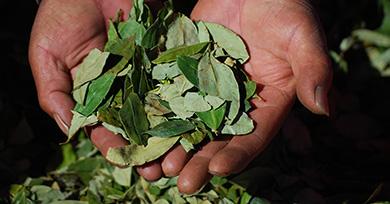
(132, 28)
(123, 176)
(86, 168)
(214, 101)
(134, 155)
(189, 67)
(45, 194)
(181, 31)
(69, 202)
(91, 67)
(187, 145)
(97, 92)
(195, 137)
(194, 102)
(171, 128)
(151, 36)
(179, 86)
(229, 41)
(203, 32)
(80, 93)
(250, 89)
(245, 198)
(213, 118)
(21, 198)
(137, 78)
(115, 130)
(122, 47)
(125, 71)
(177, 106)
(79, 121)
(109, 115)
(112, 34)
(372, 37)
(217, 79)
(133, 119)
(171, 54)
(68, 155)
(155, 105)
(243, 126)
(165, 71)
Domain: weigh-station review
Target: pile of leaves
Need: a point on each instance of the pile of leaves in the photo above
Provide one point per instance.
(162, 81)
(86, 177)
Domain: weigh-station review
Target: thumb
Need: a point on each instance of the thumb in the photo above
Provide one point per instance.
(311, 66)
(53, 84)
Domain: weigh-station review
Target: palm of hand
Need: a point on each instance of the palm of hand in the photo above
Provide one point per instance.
(287, 56)
(62, 35)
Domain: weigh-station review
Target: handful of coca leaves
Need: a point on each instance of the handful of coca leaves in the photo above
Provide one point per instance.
(162, 81)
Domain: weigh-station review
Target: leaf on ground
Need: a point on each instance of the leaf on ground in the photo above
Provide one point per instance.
(123, 176)
(135, 155)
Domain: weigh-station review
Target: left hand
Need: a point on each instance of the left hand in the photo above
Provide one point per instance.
(288, 58)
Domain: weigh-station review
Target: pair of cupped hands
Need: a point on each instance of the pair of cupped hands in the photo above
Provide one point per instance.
(288, 60)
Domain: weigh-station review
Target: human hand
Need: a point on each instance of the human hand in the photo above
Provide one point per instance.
(288, 59)
(63, 34)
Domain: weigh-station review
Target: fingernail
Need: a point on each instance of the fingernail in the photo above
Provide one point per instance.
(321, 99)
(61, 123)
(218, 174)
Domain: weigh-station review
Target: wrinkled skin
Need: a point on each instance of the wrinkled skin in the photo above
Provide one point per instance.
(288, 59)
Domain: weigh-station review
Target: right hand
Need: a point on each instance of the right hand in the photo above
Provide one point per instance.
(62, 35)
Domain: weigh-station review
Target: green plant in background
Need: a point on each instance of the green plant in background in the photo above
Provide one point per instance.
(86, 177)
(375, 42)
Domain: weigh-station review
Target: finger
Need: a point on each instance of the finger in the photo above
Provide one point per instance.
(53, 84)
(174, 161)
(268, 114)
(195, 174)
(104, 139)
(111, 8)
(307, 54)
(151, 171)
